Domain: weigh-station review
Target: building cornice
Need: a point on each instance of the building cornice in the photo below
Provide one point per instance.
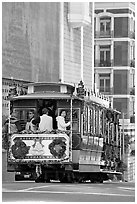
(122, 96)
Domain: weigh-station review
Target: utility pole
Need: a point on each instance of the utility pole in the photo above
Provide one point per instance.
(120, 143)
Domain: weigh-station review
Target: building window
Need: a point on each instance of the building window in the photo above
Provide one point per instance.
(104, 80)
(105, 56)
(105, 26)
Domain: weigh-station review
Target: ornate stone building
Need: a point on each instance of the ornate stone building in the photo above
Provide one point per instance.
(47, 41)
(115, 66)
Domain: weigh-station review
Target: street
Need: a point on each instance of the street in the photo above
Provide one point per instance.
(59, 192)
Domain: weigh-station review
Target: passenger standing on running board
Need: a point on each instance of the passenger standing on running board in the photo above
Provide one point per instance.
(61, 121)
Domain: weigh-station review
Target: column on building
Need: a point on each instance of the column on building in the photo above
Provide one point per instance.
(97, 26)
(112, 53)
(97, 79)
(97, 55)
(112, 26)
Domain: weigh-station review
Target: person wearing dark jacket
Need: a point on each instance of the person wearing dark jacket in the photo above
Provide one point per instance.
(52, 113)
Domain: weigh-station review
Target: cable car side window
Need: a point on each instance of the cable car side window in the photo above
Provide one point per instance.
(23, 113)
(85, 120)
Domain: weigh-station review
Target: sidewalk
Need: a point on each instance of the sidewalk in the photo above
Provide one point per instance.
(6, 176)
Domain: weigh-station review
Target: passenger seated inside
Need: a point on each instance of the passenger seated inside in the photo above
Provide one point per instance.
(29, 125)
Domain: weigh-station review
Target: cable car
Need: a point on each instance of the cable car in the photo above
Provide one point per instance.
(88, 149)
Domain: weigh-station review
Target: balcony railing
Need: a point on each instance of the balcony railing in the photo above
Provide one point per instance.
(132, 34)
(104, 34)
(103, 63)
(106, 91)
(132, 63)
(132, 91)
(132, 119)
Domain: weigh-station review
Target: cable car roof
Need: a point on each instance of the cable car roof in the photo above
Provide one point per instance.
(46, 83)
(44, 95)
(58, 95)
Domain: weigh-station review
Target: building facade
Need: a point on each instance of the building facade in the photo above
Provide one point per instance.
(114, 61)
(47, 42)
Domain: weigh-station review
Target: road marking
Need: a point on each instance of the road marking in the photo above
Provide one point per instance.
(36, 187)
(45, 186)
(127, 188)
(70, 192)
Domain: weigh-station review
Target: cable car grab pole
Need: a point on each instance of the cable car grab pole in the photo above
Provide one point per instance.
(9, 119)
(123, 136)
(71, 126)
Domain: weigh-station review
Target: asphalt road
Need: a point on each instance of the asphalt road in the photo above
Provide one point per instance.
(59, 192)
